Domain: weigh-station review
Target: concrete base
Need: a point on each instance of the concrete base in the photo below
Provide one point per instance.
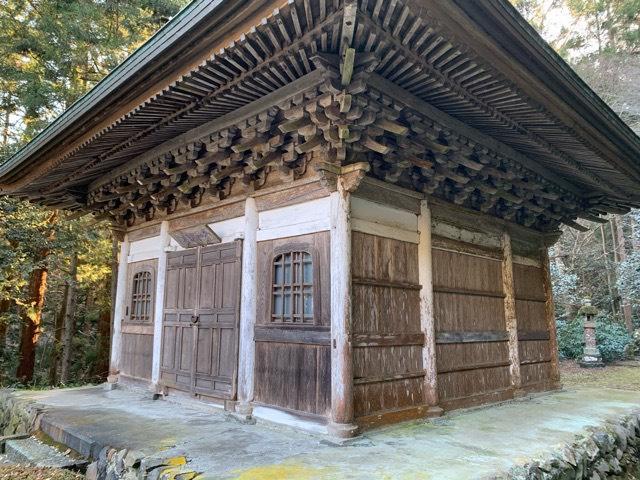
(433, 412)
(342, 430)
(482, 443)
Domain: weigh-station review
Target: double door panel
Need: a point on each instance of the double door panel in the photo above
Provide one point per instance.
(200, 320)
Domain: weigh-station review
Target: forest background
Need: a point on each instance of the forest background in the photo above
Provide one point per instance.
(57, 271)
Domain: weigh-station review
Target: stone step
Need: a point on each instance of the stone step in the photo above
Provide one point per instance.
(66, 435)
(32, 451)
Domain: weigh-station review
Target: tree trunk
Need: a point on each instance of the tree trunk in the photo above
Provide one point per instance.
(31, 319)
(5, 305)
(69, 321)
(104, 344)
(57, 339)
(607, 270)
(621, 256)
(32, 310)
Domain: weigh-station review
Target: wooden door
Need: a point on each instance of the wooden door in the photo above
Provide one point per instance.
(180, 301)
(216, 329)
(136, 355)
(201, 315)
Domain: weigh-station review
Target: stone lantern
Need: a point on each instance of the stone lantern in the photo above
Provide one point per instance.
(591, 356)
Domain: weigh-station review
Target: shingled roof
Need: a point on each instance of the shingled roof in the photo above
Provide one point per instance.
(473, 67)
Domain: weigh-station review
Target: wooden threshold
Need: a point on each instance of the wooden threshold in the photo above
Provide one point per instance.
(378, 419)
(477, 399)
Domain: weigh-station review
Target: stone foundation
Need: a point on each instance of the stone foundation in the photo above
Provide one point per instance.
(609, 451)
(17, 417)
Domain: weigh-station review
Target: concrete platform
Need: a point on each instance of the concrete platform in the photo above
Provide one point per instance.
(470, 444)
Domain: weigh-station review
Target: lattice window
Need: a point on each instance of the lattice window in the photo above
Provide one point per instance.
(292, 295)
(141, 295)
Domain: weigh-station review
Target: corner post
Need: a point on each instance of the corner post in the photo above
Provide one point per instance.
(158, 309)
(248, 307)
(427, 323)
(342, 415)
(510, 316)
(121, 289)
(550, 316)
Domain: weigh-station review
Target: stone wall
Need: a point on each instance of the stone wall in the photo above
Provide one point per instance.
(17, 417)
(113, 464)
(609, 451)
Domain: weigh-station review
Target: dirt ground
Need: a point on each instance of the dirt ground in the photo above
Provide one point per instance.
(20, 472)
(621, 375)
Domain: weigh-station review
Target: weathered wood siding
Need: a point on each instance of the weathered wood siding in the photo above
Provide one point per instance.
(471, 338)
(533, 331)
(136, 357)
(386, 335)
(293, 363)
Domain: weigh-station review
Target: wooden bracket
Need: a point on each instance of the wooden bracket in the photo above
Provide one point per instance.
(351, 175)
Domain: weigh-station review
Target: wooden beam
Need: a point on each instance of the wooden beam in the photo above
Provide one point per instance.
(391, 89)
(118, 315)
(158, 312)
(550, 316)
(471, 337)
(427, 321)
(510, 316)
(248, 308)
(292, 89)
(342, 412)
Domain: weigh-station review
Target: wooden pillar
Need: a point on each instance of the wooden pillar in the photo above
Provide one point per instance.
(248, 306)
(510, 316)
(121, 291)
(427, 324)
(550, 316)
(158, 309)
(342, 417)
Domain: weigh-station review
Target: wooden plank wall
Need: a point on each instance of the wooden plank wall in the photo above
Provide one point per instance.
(137, 355)
(533, 331)
(386, 336)
(471, 339)
(293, 364)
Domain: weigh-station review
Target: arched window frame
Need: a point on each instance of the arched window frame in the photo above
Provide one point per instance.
(148, 317)
(281, 320)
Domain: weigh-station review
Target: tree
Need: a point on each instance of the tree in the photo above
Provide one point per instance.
(32, 307)
(52, 52)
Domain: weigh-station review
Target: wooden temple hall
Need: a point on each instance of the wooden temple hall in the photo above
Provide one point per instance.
(336, 209)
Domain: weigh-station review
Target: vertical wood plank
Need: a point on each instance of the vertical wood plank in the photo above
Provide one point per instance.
(511, 320)
(550, 316)
(159, 302)
(341, 349)
(425, 276)
(121, 289)
(248, 305)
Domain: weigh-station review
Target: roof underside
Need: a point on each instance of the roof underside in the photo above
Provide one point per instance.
(477, 62)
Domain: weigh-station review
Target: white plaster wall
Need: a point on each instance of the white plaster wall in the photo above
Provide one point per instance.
(299, 219)
(145, 249)
(381, 220)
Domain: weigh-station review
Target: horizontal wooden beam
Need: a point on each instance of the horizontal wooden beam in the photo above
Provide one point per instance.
(386, 284)
(390, 340)
(388, 378)
(475, 366)
(531, 335)
(446, 337)
(303, 335)
(465, 291)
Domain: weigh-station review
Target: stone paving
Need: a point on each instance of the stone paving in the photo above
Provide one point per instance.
(470, 444)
